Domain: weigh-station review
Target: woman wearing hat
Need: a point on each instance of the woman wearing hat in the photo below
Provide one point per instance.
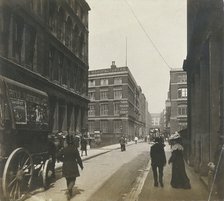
(70, 158)
(179, 177)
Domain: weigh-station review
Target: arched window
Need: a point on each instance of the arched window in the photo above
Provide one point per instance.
(61, 24)
(39, 7)
(52, 15)
(68, 33)
(75, 40)
(81, 45)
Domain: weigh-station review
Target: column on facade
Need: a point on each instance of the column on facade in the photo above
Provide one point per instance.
(195, 117)
(55, 118)
(71, 119)
(215, 68)
(204, 113)
(78, 119)
(62, 117)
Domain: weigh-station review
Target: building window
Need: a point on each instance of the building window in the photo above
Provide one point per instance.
(182, 125)
(117, 80)
(52, 15)
(91, 83)
(117, 126)
(48, 71)
(61, 24)
(118, 93)
(116, 108)
(103, 82)
(182, 78)
(30, 45)
(104, 109)
(18, 28)
(65, 74)
(182, 110)
(91, 111)
(104, 126)
(91, 126)
(92, 95)
(182, 93)
(103, 94)
(68, 33)
(75, 39)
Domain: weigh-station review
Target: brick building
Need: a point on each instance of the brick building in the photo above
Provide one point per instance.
(177, 101)
(44, 44)
(117, 105)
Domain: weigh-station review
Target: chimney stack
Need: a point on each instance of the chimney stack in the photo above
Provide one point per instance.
(113, 66)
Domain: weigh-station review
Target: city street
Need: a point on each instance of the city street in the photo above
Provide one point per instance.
(122, 176)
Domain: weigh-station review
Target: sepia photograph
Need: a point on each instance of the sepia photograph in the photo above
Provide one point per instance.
(111, 100)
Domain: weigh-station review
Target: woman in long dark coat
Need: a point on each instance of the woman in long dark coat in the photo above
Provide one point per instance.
(179, 176)
(70, 158)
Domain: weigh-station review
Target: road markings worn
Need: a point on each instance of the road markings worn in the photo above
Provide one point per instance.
(138, 185)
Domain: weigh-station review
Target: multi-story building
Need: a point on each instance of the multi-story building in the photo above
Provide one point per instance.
(205, 74)
(178, 100)
(168, 113)
(155, 117)
(44, 45)
(116, 103)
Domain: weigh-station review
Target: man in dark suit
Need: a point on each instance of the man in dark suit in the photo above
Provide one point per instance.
(158, 160)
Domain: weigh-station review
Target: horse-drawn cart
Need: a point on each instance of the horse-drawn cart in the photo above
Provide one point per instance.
(24, 130)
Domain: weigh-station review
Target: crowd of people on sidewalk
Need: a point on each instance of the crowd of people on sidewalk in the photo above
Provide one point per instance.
(69, 154)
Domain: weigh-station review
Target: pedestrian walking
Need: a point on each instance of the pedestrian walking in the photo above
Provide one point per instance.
(136, 139)
(52, 150)
(83, 146)
(158, 160)
(179, 176)
(71, 159)
(122, 143)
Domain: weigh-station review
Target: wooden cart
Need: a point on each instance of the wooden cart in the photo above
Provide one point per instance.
(24, 130)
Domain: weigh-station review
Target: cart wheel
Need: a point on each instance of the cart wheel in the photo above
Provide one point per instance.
(17, 174)
(47, 173)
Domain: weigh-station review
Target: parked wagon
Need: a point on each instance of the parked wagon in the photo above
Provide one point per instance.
(24, 130)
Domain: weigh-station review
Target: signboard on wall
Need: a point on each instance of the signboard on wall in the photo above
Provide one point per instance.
(20, 112)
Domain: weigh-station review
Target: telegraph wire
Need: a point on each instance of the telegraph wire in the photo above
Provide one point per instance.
(147, 35)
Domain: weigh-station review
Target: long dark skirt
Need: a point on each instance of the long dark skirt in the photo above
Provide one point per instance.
(179, 175)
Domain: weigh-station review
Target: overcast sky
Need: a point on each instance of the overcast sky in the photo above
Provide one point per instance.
(112, 21)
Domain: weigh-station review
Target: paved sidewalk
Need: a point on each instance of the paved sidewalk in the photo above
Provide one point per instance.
(93, 152)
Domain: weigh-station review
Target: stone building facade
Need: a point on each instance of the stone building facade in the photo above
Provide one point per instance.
(205, 78)
(117, 105)
(44, 44)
